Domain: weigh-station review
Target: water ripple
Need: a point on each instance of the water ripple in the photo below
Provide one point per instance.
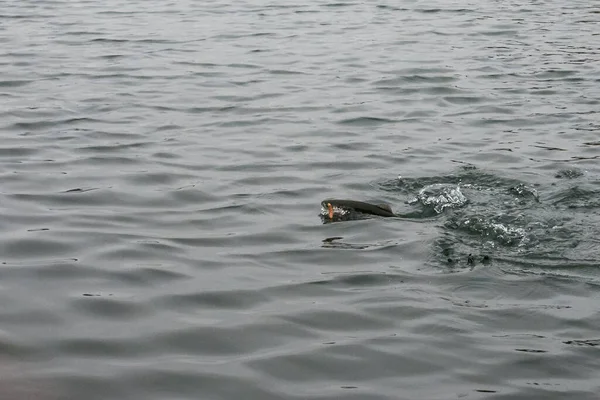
(162, 170)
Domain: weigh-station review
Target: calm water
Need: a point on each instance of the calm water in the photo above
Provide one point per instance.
(162, 167)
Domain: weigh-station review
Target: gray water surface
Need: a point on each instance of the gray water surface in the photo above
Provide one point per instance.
(162, 167)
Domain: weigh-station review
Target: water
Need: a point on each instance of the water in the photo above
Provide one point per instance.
(163, 164)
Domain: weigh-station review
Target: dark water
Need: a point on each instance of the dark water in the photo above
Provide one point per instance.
(162, 167)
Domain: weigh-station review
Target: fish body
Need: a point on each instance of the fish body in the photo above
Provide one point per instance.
(350, 206)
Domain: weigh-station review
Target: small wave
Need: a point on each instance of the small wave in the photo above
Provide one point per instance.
(569, 173)
(523, 191)
(14, 83)
(366, 121)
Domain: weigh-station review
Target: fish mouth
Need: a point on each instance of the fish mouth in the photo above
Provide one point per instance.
(329, 209)
(332, 211)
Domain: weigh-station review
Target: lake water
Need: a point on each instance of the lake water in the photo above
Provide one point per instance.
(162, 167)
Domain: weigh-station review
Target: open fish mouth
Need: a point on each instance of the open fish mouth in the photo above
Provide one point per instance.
(330, 211)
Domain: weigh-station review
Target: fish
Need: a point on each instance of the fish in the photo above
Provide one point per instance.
(355, 206)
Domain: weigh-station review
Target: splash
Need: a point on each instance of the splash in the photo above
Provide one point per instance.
(441, 196)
